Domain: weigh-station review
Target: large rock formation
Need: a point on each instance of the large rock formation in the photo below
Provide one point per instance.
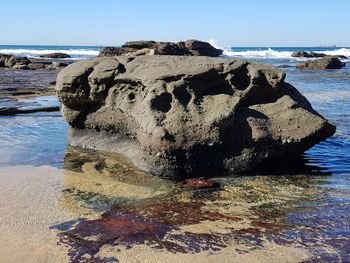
(177, 115)
(183, 48)
(323, 63)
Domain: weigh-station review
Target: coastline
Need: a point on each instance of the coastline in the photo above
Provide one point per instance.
(273, 216)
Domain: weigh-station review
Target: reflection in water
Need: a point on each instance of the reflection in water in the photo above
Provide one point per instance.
(123, 209)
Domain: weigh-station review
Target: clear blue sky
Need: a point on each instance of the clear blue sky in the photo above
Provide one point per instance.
(229, 22)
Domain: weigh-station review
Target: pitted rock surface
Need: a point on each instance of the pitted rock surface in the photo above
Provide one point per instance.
(180, 115)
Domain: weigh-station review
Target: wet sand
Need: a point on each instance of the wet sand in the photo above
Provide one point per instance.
(35, 197)
(29, 206)
(99, 208)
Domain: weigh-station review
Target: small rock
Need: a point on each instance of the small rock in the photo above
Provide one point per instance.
(36, 66)
(199, 183)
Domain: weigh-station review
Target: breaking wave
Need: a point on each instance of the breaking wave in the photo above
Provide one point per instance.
(270, 53)
(74, 53)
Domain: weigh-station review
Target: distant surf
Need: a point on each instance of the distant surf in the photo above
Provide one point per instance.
(76, 52)
(85, 52)
(279, 52)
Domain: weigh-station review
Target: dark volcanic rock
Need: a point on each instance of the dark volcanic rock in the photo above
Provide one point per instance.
(186, 48)
(323, 63)
(56, 55)
(304, 54)
(177, 115)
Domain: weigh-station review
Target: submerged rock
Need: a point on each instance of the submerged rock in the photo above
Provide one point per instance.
(184, 48)
(323, 63)
(176, 115)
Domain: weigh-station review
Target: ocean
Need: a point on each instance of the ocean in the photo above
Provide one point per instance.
(301, 213)
(264, 53)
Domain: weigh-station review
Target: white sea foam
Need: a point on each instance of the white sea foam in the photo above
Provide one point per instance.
(214, 43)
(267, 53)
(341, 51)
(273, 54)
(38, 52)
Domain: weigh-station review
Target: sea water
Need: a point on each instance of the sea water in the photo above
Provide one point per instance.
(53, 193)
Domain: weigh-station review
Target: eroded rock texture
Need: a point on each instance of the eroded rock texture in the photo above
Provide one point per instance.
(176, 115)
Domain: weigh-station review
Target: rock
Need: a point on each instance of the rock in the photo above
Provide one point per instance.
(19, 66)
(143, 52)
(10, 61)
(200, 48)
(114, 51)
(323, 63)
(141, 44)
(56, 55)
(36, 66)
(178, 115)
(304, 54)
(184, 48)
(56, 65)
(14, 111)
(3, 59)
(168, 48)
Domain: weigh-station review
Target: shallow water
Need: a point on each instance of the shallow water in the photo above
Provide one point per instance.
(73, 205)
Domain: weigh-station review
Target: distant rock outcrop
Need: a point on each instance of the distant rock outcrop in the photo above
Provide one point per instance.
(178, 115)
(183, 48)
(56, 55)
(304, 54)
(10, 61)
(323, 63)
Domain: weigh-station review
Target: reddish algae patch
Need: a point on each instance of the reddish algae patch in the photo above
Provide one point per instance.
(155, 225)
(199, 183)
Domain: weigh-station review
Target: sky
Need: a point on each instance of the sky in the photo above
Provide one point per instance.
(251, 23)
